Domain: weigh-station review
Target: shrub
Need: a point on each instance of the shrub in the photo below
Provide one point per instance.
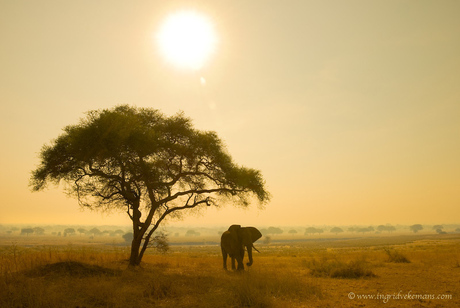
(395, 256)
(128, 237)
(160, 243)
(338, 269)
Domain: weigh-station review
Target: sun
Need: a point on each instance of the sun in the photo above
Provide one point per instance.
(187, 39)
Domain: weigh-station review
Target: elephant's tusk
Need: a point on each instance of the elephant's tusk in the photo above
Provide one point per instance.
(255, 248)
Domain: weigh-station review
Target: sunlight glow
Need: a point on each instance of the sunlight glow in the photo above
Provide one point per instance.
(187, 39)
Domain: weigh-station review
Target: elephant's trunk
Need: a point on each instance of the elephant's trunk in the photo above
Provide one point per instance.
(249, 255)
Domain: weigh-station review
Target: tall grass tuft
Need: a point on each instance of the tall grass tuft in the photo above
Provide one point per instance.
(260, 289)
(339, 269)
(395, 256)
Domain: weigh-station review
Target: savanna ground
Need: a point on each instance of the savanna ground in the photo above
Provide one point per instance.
(398, 271)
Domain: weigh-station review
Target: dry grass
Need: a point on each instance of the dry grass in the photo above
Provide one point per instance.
(297, 275)
(396, 256)
(335, 268)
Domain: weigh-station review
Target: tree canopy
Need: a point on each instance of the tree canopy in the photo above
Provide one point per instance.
(336, 230)
(415, 228)
(147, 164)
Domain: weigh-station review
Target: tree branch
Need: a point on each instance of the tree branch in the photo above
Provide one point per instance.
(200, 192)
(163, 216)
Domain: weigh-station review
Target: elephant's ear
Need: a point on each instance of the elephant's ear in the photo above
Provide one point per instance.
(255, 233)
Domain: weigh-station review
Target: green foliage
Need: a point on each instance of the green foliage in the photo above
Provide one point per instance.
(114, 156)
(147, 164)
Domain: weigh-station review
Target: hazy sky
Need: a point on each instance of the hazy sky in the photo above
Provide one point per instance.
(351, 109)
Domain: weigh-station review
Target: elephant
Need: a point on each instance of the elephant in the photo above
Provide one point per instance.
(233, 242)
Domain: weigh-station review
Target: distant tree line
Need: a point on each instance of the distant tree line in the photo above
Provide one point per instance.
(271, 230)
(387, 228)
(71, 232)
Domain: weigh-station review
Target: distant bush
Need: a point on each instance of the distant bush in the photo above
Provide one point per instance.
(292, 231)
(160, 243)
(313, 230)
(415, 228)
(118, 232)
(387, 228)
(338, 269)
(267, 240)
(395, 256)
(27, 231)
(69, 231)
(95, 231)
(39, 231)
(336, 230)
(364, 230)
(128, 237)
(273, 230)
(192, 233)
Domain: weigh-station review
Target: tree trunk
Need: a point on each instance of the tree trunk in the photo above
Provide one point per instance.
(134, 259)
(138, 234)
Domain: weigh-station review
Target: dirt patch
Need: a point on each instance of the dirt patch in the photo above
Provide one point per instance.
(71, 268)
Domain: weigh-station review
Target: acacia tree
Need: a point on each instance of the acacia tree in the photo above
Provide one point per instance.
(415, 228)
(336, 230)
(147, 164)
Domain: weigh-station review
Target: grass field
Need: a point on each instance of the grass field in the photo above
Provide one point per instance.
(397, 271)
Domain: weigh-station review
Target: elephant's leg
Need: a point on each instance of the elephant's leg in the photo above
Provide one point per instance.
(239, 259)
(233, 263)
(240, 264)
(224, 257)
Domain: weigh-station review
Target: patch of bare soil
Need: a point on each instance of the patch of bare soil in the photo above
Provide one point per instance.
(71, 268)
